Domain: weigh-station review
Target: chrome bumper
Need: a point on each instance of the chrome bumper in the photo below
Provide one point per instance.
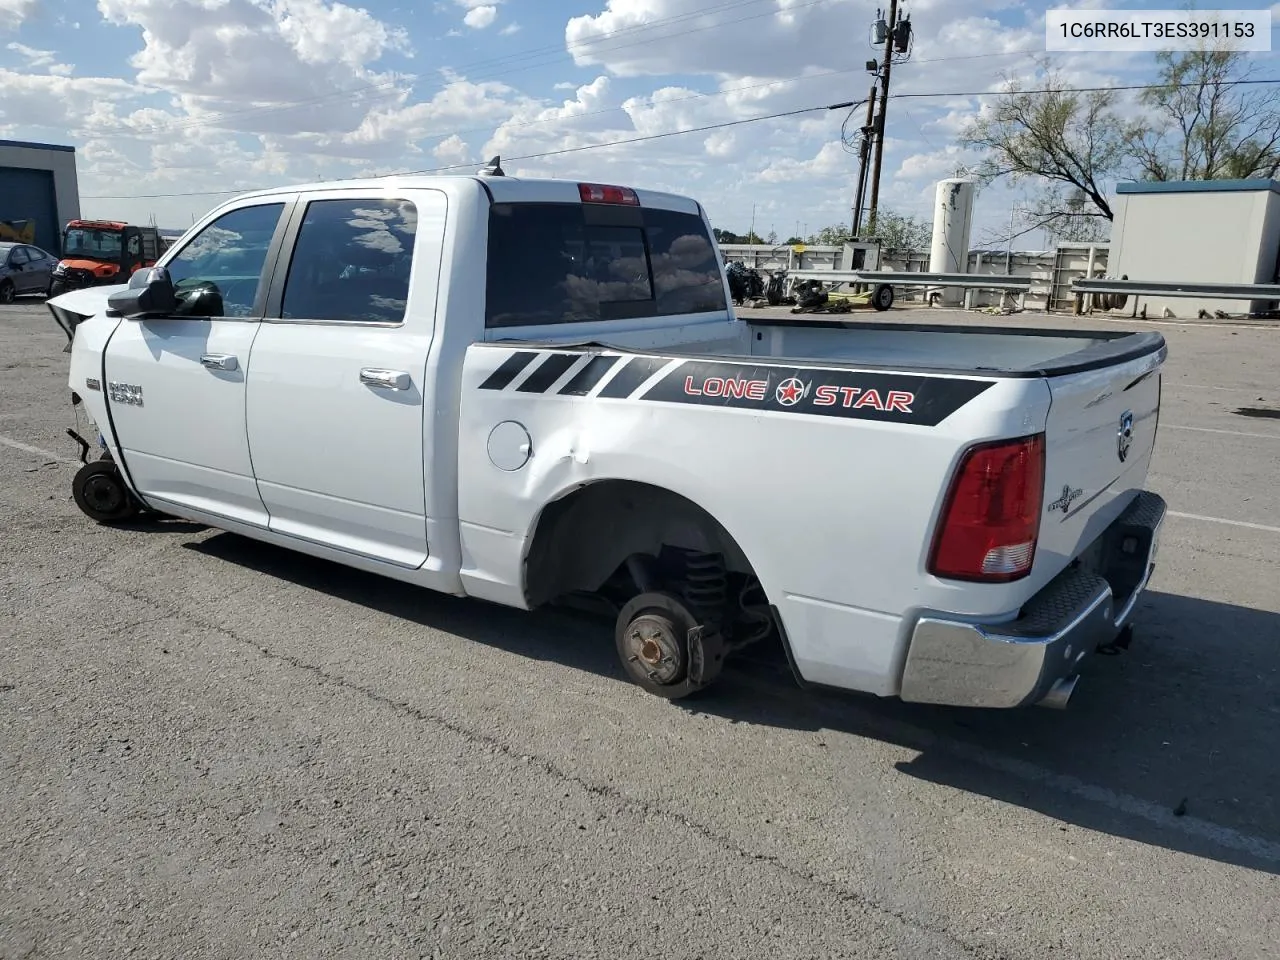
(1018, 662)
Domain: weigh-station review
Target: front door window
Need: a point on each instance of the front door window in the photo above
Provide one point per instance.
(219, 272)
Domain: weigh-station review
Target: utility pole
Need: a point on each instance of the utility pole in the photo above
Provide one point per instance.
(897, 38)
(864, 155)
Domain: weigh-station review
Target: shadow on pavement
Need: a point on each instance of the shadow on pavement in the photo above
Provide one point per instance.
(1170, 744)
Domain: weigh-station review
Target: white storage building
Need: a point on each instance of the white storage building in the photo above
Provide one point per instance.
(1209, 231)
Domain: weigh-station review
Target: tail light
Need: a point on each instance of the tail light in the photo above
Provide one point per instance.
(991, 518)
(600, 193)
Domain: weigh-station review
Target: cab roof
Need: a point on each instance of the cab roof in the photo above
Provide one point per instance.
(503, 189)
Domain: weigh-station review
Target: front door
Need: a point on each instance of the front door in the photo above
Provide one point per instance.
(335, 403)
(176, 385)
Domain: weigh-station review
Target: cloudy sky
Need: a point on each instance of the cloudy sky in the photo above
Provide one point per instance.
(167, 99)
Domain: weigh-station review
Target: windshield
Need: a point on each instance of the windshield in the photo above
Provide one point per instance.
(96, 244)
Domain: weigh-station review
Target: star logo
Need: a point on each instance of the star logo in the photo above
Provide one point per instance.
(790, 391)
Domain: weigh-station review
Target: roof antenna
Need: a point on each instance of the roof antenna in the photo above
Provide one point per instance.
(493, 169)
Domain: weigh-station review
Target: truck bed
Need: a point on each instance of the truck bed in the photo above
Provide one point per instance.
(992, 351)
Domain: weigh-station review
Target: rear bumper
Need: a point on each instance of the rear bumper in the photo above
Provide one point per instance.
(1017, 662)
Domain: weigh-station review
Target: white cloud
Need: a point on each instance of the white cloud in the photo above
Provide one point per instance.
(935, 165)
(41, 59)
(829, 160)
(509, 29)
(252, 57)
(478, 18)
(14, 12)
(451, 150)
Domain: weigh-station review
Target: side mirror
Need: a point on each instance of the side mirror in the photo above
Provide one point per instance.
(149, 294)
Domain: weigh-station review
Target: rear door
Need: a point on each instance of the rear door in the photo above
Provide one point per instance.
(20, 270)
(40, 268)
(1099, 438)
(176, 385)
(335, 400)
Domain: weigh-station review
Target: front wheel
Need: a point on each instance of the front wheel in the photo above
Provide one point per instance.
(882, 299)
(56, 288)
(100, 493)
(7, 292)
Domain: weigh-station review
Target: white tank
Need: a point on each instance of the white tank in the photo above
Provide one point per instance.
(952, 221)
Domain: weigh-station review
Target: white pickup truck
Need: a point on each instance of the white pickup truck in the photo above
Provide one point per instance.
(528, 391)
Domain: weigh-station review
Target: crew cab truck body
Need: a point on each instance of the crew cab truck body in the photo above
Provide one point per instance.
(525, 391)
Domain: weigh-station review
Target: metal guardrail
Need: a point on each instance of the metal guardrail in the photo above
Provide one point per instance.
(972, 281)
(897, 278)
(1175, 288)
(969, 282)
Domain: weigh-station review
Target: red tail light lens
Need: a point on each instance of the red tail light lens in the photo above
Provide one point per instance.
(991, 519)
(600, 193)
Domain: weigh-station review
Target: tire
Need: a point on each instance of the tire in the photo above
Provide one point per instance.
(56, 289)
(651, 636)
(7, 292)
(882, 298)
(100, 493)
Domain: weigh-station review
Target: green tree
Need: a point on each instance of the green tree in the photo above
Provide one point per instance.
(897, 231)
(1201, 123)
(1198, 123)
(1066, 143)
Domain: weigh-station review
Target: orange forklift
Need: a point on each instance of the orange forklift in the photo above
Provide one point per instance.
(102, 252)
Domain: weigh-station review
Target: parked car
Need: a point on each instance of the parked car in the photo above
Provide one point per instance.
(530, 391)
(24, 270)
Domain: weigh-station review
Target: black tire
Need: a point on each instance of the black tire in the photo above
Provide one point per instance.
(56, 289)
(7, 292)
(101, 495)
(882, 299)
(651, 636)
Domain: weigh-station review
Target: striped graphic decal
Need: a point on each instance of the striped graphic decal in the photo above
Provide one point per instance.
(509, 370)
(580, 383)
(547, 373)
(916, 398)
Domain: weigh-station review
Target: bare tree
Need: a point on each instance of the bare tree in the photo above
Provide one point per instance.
(1204, 124)
(1073, 143)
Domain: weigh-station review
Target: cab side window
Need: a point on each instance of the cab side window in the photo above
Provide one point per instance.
(352, 262)
(218, 273)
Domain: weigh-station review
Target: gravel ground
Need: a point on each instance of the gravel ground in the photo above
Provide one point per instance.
(214, 748)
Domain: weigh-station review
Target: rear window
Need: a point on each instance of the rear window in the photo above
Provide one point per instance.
(575, 263)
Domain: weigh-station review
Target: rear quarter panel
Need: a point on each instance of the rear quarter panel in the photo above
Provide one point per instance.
(834, 513)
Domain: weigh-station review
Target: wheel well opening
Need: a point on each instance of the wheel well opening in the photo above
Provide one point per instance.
(584, 539)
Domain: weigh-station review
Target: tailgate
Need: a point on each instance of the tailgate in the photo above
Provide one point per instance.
(1098, 442)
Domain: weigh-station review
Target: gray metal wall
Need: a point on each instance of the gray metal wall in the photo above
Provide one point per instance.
(38, 182)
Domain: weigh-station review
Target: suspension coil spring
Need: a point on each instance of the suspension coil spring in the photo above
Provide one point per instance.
(706, 584)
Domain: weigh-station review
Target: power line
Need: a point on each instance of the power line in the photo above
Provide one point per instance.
(577, 116)
(715, 126)
(532, 156)
(1135, 86)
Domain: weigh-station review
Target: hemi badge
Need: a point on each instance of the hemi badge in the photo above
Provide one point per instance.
(93, 384)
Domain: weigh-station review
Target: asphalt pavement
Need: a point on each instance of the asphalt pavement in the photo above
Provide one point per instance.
(214, 748)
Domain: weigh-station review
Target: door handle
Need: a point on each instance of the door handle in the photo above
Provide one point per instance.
(385, 379)
(219, 361)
